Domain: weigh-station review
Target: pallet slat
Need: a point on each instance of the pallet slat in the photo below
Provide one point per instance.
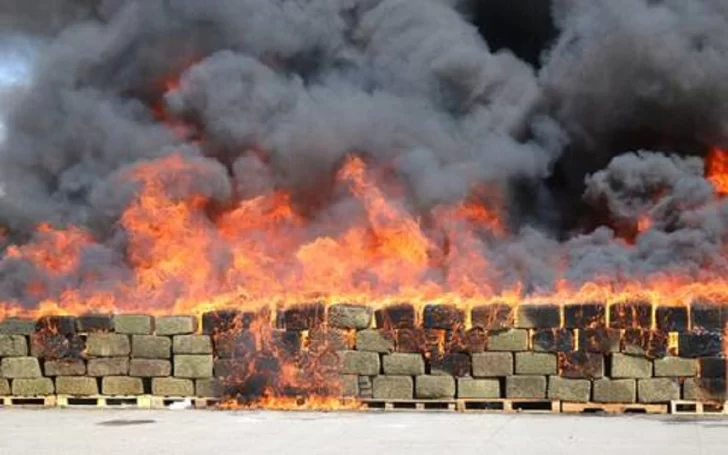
(684, 407)
(45, 401)
(409, 405)
(192, 402)
(509, 405)
(102, 401)
(206, 403)
(614, 408)
(465, 405)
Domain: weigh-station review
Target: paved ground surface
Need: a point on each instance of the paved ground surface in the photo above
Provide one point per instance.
(220, 432)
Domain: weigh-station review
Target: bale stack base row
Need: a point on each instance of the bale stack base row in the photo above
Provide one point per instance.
(624, 353)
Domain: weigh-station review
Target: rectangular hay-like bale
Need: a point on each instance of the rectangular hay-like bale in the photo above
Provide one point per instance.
(398, 316)
(585, 315)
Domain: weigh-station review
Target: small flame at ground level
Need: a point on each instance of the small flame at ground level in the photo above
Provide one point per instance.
(308, 403)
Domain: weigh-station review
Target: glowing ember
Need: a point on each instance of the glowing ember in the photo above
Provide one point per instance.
(644, 224)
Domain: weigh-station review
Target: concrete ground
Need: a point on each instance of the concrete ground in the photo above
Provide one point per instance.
(111, 432)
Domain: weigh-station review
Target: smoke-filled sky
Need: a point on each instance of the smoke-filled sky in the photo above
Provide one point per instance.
(18, 52)
(572, 136)
(15, 61)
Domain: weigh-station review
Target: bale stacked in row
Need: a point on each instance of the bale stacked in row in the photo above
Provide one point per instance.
(100, 354)
(622, 353)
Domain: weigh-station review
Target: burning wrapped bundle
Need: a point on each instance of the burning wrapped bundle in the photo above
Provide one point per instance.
(286, 202)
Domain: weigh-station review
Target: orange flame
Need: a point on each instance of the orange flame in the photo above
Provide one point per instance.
(308, 403)
(717, 170)
(263, 253)
(644, 224)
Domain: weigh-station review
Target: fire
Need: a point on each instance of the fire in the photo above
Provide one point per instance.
(184, 257)
(190, 247)
(717, 169)
(644, 224)
(308, 403)
(165, 85)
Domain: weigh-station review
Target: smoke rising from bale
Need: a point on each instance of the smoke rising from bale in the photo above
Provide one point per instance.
(218, 108)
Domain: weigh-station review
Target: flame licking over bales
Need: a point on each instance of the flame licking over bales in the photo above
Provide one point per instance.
(383, 254)
(189, 256)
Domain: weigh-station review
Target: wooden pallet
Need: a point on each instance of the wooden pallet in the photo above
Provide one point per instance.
(41, 402)
(107, 402)
(614, 408)
(206, 403)
(408, 405)
(465, 405)
(509, 405)
(158, 402)
(685, 407)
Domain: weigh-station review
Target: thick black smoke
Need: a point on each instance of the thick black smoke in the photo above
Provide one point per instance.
(630, 75)
(524, 27)
(449, 95)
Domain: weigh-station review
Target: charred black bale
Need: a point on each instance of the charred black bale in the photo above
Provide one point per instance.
(303, 317)
(671, 318)
(580, 364)
(47, 345)
(585, 315)
(221, 321)
(63, 325)
(713, 367)
(233, 369)
(700, 344)
(255, 379)
(450, 364)
(323, 339)
(599, 340)
(285, 344)
(475, 340)
(229, 345)
(553, 340)
(711, 389)
(538, 316)
(400, 316)
(630, 314)
(460, 340)
(708, 316)
(493, 316)
(447, 317)
(648, 343)
(89, 323)
(419, 340)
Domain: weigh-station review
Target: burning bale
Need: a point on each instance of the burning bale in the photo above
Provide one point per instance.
(255, 364)
(294, 212)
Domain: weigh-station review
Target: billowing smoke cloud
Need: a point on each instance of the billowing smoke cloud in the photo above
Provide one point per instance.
(637, 74)
(410, 83)
(276, 94)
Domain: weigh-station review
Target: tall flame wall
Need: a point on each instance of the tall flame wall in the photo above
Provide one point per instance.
(622, 353)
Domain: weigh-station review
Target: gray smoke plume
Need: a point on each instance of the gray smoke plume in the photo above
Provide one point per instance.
(630, 71)
(276, 94)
